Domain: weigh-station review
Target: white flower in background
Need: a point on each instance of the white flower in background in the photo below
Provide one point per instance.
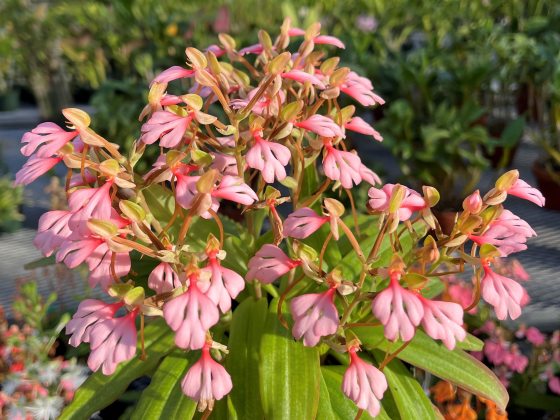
(46, 408)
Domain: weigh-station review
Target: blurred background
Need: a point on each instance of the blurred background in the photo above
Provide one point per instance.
(472, 90)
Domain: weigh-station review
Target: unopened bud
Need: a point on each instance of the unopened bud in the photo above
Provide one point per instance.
(312, 31)
(473, 203)
(204, 78)
(506, 181)
(79, 119)
(265, 40)
(193, 101)
(431, 195)
(470, 224)
(119, 290)
(279, 63)
(415, 280)
(109, 168)
(397, 197)
(338, 76)
(227, 41)
(102, 228)
(333, 207)
(206, 182)
(329, 65)
(290, 111)
(196, 58)
(132, 211)
(213, 63)
(134, 297)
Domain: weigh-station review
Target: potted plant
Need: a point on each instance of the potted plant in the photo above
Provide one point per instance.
(307, 316)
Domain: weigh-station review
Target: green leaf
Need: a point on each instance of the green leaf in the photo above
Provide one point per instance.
(163, 398)
(160, 201)
(289, 373)
(41, 262)
(98, 391)
(455, 366)
(245, 336)
(410, 399)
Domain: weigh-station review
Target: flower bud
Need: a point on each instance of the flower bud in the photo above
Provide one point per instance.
(470, 224)
(79, 119)
(102, 228)
(110, 168)
(506, 181)
(204, 78)
(329, 65)
(196, 58)
(119, 290)
(431, 195)
(312, 31)
(206, 182)
(279, 63)
(290, 111)
(213, 63)
(338, 76)
(415, 280)
(132, 211)
(193, 100)
(333, 207)
(265, 40)
(473, 203)
(227, 41)
(134, 296)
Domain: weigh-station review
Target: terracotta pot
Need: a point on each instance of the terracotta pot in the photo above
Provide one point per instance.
(446, 219)
(548, 187)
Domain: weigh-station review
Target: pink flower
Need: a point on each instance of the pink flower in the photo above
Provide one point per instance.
(88, 203)
(231, 188)
(319, 39)
(34, 168)
(368, 175)
(268, 157)
(534, 336)
(99, 264)
(251, 49)
(463, 295)
(473, 203)
(502, 293)
(225, 284)
(191, 315)
(518, 271)
(45, 140)
(269, 263)
(342, 166)
(364, 384)
(360, 126)
(74, 253)
(443, 321)
(166, 126)
(495, 352)
(321, 125)
(53, 230)
(399, 310)
(218, 52)
(315, 316)
(516, 361)
(267, 104)
(163, 278)
(303, 77)
(360, 89)
(380, 199)
(523, 190)
(328, 40)
(173, 73)
(112, 341)
(90, 312)
(554, 384)
(206, 381)
(302, 223)
(224, 163)
(508, 233)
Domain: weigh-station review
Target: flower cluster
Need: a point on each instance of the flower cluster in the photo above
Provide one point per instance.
(250, 136)
(34, 384)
